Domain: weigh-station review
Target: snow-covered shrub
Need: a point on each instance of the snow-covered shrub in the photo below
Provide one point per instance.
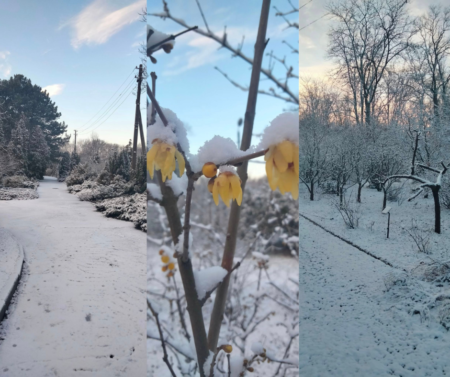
(104, 178)
(394, 193)
(128, 208)
(18, 181)
(420, 237)
(79, 174)
(348, 211)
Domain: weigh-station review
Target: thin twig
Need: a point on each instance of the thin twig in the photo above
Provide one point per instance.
(161, 336)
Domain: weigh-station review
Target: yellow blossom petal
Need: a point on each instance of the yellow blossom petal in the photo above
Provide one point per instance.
(215, 192)
(181, 162)
(287, 150)
(279, 160)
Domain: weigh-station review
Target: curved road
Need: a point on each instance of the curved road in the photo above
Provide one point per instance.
(348, 326)
(80, 309)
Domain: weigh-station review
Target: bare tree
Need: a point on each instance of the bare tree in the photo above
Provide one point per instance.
(424, 183)
(434, 48)
(369, 36)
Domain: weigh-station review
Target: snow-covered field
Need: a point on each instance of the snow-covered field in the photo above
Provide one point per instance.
(359, 316)
(80, 305)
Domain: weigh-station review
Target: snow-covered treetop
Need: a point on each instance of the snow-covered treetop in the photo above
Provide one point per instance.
(283, 127)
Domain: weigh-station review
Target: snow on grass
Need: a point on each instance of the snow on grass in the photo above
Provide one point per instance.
(399, 248)
(355, 323)
(206, 280)
(283, 127)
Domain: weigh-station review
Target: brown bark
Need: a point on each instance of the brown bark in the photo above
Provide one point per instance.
(230, 243)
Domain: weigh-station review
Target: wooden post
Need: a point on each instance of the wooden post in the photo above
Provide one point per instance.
(387, 211)
(389, 221)
(137, 119)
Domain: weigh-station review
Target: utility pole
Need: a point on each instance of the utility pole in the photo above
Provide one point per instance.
(137, 122)
(75, 150)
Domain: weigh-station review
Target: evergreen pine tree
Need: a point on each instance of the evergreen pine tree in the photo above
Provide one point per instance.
(64, 166)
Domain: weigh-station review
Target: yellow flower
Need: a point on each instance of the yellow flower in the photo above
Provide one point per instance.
(228, 186)
(163, 156)
(282, 167)
(165, 259)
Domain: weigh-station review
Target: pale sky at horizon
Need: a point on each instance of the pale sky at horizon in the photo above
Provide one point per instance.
(81, 51)
(313, 38)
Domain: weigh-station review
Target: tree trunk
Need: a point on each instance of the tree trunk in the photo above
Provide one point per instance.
(437, 210)
(384, 198)
(341, 196)
(368, 114)
(233, 220)
(311, 192)
(358, 198)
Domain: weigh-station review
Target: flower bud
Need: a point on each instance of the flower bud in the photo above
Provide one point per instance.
(227, 348)
(209, 170)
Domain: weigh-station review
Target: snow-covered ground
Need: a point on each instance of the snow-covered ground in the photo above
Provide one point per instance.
(359, 316)
(80, 307)
(370, 234)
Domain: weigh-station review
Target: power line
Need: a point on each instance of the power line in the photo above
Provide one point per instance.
(304, 5)
(109, 98)
(131, 92)
(130, 84)
(326, 14)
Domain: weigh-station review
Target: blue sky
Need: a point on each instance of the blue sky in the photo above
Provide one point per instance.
(82, 51)
(189, 85)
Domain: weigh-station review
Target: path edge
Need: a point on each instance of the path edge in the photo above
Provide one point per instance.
(351, 243)
(7, 293)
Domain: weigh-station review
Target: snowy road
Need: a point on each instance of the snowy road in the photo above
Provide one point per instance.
(346, 325)
(81, 304)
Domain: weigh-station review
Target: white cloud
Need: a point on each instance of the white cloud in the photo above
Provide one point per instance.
(4, 54)
(54, 90)
(5, 67)
(99, 21)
